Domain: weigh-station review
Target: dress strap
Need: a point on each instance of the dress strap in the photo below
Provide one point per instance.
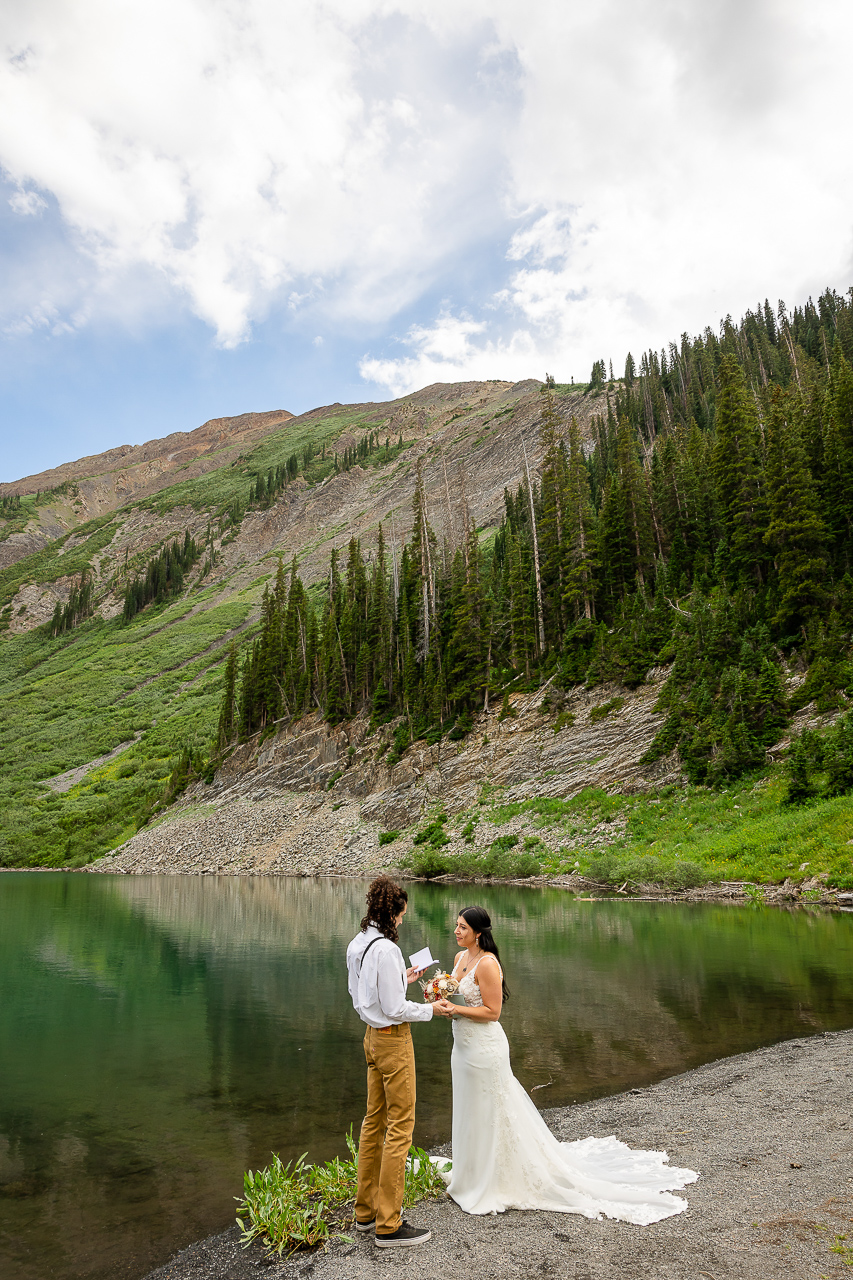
(482, 957)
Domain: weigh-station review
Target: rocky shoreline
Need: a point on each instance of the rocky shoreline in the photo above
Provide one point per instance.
(769, 1131)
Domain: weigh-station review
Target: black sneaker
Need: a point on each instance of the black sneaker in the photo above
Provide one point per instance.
(365, 1226)
(404, 1235)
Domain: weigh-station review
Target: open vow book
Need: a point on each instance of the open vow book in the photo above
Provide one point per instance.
(422, 959)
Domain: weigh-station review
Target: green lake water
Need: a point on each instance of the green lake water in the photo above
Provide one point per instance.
(160, 1034)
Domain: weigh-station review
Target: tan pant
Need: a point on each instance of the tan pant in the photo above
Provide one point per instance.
(386, 1132)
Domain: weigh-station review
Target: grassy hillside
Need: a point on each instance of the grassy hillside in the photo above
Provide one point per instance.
(64, 702)
(679, 836)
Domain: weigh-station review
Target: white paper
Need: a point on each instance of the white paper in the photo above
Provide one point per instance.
(422, 959)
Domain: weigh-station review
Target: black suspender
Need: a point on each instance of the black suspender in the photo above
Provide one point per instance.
(366, 949)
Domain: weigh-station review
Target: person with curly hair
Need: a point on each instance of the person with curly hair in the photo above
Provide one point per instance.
(377, 983)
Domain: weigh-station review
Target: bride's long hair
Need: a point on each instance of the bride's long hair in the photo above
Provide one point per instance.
(481, 922)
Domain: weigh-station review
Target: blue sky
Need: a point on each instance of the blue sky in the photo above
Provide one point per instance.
(208, 208)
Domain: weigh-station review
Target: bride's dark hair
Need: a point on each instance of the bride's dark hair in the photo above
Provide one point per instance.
(481, 922)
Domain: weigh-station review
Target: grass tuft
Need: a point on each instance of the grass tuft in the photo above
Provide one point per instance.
(299, 1206)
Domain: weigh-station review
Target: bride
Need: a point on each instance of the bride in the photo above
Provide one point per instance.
(504, 1155)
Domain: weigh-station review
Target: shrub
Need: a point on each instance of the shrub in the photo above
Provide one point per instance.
(648, 868)
(433, 833)
(604, 709)
(507, 711)
(428, 862)
(402, 738)
(388, 837)
(464, 725)
(501, 862)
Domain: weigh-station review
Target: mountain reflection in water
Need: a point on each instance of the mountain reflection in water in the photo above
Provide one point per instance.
(158, 1035)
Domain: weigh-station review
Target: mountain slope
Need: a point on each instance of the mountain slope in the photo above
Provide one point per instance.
(156, 684)
(458, 549)
(69, 495)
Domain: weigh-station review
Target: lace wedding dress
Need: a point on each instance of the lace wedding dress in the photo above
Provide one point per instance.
(505, 1156)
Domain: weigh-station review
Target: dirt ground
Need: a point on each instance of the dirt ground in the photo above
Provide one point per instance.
(768, 1131)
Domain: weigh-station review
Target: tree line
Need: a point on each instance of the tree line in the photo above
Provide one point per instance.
(79, 605)
(163, 577)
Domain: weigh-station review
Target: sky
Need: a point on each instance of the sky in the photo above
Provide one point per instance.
(213, 206)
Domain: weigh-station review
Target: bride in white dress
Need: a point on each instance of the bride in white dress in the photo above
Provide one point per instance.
(504, 1155)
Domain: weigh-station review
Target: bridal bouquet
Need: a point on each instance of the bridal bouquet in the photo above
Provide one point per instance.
(441, 986)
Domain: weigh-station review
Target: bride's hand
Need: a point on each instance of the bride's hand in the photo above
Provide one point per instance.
(445, 1008)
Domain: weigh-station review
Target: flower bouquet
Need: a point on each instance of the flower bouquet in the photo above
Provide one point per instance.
(441, 986)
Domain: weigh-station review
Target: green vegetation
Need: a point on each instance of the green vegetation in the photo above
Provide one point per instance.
(433, 834)
(66, 701)
(388, 837)
(689, 836)
(298, 1205)
(79, 606)
(164, 576)
(604, 709)
(708, 529)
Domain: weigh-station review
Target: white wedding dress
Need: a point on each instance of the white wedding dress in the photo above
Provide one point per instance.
(505, 1156)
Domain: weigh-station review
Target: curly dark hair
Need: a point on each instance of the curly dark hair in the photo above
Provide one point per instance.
(385, 901)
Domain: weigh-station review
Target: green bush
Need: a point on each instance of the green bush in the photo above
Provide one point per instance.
(429, 862)
(433, 833)
(464, 725)
(604, 709)
(500, 861)
(388, 837)
(401, 740)
(649, 868)
(299, 1205)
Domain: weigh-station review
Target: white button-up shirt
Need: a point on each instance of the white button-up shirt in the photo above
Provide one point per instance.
(377, 982)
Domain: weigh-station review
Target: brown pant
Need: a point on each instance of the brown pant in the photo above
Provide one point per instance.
(386, 1132)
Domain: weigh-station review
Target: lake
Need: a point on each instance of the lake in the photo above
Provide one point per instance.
(160, 1034)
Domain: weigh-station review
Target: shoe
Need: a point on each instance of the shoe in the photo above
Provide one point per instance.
(365, 1226)
(404, 1235)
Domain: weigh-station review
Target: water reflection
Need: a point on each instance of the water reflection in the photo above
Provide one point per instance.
(158, 1034)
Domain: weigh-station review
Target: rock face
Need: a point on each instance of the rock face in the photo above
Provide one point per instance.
(106, 481)
(313, 799)
(467, 438)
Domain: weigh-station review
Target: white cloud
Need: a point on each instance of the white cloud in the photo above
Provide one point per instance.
(242, 151)
(641, 167)
(27, 203)
(670, 164)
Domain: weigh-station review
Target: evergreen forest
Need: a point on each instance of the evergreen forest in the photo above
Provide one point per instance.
(707, 524)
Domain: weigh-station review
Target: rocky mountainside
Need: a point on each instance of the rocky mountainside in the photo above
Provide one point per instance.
(115, 635)
(468, 437)
(314, 800)
(73, 493)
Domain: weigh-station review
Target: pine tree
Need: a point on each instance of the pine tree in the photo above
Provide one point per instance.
(737, 474)
(795, 533)
(228, 713)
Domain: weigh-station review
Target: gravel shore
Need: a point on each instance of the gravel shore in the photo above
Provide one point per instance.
(768, 1131)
